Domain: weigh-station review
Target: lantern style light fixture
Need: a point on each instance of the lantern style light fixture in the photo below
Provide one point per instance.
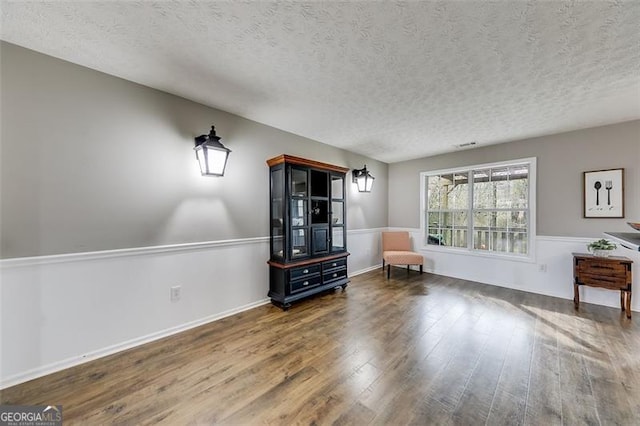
(363, 179)
(211, 154)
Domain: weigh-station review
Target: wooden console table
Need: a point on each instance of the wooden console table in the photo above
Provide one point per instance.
(613, 273)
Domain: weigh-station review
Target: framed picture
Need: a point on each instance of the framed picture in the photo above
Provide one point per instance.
(603, 193)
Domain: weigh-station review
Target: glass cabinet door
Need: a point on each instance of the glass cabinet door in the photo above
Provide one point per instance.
(277, 212)
(299, 182)
(299, 242)
(337, 187)
(337, 238)
(298, 212)
(337, 213)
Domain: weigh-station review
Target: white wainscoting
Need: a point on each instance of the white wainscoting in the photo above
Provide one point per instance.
(63, 310)
(552, 252)
(60, 311)
(366, 250)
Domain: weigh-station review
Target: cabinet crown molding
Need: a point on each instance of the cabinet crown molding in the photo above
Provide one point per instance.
(284, 158)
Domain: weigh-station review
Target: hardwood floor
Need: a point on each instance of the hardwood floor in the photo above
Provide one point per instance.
(410, 350)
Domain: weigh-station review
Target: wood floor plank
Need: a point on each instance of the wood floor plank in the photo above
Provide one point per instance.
(612, 405)
(414, 349)
(627, 365)
(543, 404)
(578, 403)
(475, 402)
(449, 384)
(509, 402)
(327, 402)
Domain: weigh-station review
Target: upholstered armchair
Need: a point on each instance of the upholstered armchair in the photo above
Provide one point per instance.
(396, 250)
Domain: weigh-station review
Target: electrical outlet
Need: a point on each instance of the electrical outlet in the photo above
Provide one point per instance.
(176, 292)
(542, 267)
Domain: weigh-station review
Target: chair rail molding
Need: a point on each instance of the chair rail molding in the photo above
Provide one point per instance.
(51, 306)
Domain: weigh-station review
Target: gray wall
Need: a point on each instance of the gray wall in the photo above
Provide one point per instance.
(93, 162)
(561, 160)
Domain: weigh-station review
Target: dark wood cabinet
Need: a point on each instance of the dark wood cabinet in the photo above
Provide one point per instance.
(308, 247)
(612, 273)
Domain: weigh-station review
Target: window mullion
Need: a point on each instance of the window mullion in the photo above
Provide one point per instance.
(470, 209)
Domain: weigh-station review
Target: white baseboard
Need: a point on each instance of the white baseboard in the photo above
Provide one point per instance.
(365, 270)
(81, 359)
(51, 307)
(60, 311)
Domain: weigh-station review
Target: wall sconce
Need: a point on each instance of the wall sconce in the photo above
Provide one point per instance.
(363, 179)
(211, 154)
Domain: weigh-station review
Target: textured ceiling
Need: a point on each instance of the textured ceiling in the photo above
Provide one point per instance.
(389, 80)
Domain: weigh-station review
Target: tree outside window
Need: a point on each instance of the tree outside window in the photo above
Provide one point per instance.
(482, 208)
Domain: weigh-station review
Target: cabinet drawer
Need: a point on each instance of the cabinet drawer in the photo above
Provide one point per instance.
(337, 263)
(604, 281)
(304, 271)
(335, 274)
(602, 268)
(305, 283)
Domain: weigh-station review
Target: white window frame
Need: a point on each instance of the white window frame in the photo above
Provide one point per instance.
(469, 250)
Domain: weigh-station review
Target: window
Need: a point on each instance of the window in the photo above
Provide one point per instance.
(487, 208)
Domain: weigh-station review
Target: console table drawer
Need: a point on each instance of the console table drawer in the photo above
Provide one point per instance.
(305, 283)
(602, 268)
(604, 281)
(304, 271)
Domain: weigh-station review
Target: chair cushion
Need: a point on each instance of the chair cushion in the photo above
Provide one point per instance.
(397, 240)
(402, 258)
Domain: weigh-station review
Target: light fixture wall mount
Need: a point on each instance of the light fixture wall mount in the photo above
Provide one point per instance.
(363, 179)
(212, 155)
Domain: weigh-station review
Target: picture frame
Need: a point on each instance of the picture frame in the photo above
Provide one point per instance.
(603, 194)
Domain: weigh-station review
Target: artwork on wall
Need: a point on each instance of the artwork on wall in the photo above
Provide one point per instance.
(603, 193)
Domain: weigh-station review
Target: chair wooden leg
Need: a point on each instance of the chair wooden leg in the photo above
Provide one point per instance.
(383, 265)
(388, 271)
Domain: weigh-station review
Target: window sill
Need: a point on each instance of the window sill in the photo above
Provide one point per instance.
(490, 255)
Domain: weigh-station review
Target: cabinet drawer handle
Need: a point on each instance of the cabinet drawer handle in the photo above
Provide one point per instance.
(334, 264)
(305, 283)
(335, 275)
(306, 271)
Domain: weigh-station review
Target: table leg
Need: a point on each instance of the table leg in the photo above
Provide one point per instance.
(628, 304)
(623, 299)
(576, 295)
